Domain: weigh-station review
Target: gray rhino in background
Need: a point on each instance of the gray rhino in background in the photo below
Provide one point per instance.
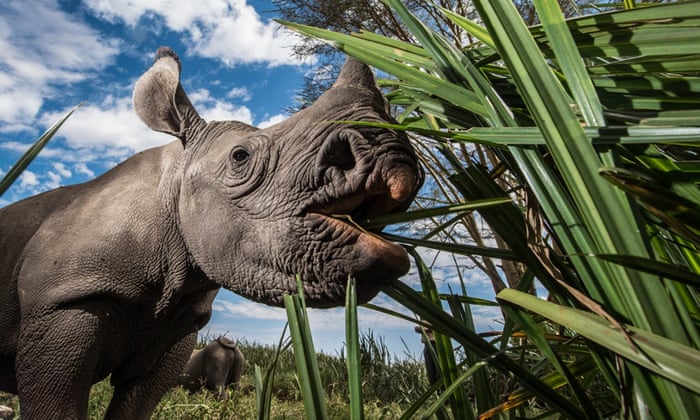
(214, 367)
(117, 275)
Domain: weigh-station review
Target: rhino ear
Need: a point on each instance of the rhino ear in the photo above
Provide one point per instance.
(159, 99)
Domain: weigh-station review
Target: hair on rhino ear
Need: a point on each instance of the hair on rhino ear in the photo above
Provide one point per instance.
(159, 100)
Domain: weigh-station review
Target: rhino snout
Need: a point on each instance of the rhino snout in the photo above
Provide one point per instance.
(401, 181)
(369, 162)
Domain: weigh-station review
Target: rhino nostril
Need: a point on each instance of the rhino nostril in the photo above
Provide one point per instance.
(337, 152)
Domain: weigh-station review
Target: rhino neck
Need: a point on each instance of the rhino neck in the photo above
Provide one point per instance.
(181, 279)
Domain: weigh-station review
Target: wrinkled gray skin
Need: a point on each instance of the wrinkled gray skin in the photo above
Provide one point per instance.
(214, 367)
(117, 275)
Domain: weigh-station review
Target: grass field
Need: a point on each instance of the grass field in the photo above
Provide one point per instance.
(390, 385)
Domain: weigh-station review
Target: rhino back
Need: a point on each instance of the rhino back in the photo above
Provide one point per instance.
(79, 241)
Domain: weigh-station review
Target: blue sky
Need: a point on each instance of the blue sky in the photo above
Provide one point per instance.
(237, 65)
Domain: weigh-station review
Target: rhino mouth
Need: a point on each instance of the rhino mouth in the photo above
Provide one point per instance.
(352, 251)
(354, 187)
(349, 224)
(353, 212)
(371, 261)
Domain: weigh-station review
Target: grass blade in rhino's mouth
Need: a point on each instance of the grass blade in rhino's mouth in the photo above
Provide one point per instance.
(344, 219)
(347, 221)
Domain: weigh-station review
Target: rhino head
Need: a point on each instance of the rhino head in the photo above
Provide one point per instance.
(255, 207)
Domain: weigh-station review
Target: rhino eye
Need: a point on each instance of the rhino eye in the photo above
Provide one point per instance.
(239, 155)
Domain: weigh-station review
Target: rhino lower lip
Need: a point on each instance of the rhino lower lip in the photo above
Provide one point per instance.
(391, 254)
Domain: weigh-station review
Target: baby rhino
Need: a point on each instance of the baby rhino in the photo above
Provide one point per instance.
(214, 367)
(114, 277)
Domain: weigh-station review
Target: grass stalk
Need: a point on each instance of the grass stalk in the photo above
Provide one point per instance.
(352, 337)
(32, 152)
(305, 356)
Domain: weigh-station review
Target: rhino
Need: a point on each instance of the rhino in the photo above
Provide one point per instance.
(214, 367)
(115, 276)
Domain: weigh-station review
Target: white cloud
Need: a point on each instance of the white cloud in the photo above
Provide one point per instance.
(245, 39)
(56, 175)
(62, 170)
(248, 309)
(214, 109)
(47, 152)
(43, 47)
(487, 318)
(53, 180)
(17, 104)
(241, 318)
(111, 130)
(28, 179)
(241, 93)
(262, 323)
(229, 30)
(14, 146)
(39, 64)
(15, 127)
(229, 305)
(272, 120)
(111, 126)
(320, 319)
(83, 169)
(444, 265)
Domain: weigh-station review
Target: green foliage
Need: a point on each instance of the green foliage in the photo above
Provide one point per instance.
(389, 384)
(307, 366)
(264, 384)
(30, 154)
(354, 358)
(591, 126)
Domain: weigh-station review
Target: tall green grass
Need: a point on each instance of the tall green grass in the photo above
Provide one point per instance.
(592, 130)
(389, 385)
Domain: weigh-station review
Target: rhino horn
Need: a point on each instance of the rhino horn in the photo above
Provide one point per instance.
(159, 99)
(355, 73)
